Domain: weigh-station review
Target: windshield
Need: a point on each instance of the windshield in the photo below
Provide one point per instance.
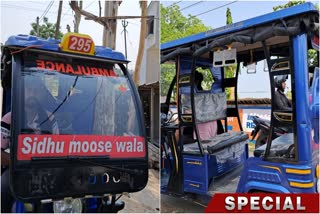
(67, 96)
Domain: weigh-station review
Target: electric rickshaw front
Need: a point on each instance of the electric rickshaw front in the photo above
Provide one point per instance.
(76, 123)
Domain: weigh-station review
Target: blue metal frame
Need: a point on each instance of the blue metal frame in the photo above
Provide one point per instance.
(272, 175)
(238, 26)
(261, 175)
(53, 45)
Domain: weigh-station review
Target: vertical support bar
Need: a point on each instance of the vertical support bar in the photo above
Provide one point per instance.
(268, 58)
(236, 96)
(193, 69)
(300, 65)
(152, 115)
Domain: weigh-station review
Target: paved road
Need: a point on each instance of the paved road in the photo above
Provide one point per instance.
(147, 200)
(171, 204)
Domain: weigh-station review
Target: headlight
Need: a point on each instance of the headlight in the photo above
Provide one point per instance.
(68, 205)
(318, 185)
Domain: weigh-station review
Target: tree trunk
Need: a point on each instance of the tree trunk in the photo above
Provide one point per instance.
(143, 28)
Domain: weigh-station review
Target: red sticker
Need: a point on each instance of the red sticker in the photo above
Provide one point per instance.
(80, 44)
(30, 146)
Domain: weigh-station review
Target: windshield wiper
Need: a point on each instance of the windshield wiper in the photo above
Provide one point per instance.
(63, 101)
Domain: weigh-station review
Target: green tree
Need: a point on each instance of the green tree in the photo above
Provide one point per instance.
(229, 70)
(229, 17)
(175, 25)
(46, 30)
(312, 54)
(289, 4)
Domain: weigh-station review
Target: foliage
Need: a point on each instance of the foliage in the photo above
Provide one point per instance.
(229, 17)
(46, 30)
(289, 4)
(174, 26)
(207, 78)
(229, 70)
(166, 77)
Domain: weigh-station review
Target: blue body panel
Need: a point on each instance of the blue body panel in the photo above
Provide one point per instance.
(249, 23)
(200, 171)
(53, 45)
(302, 97)
(315, 107)
(259, 175)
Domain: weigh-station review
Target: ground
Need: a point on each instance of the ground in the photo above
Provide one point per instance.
(170, 204)
(147, 200)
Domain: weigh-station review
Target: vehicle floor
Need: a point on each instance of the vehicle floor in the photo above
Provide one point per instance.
(226, 183)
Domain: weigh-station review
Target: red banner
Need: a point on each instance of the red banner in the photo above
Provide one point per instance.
(264, 203)
(30, 146)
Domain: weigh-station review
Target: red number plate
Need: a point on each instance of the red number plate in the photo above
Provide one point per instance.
(80, 44)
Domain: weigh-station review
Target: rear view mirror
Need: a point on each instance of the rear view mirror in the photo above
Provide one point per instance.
(251, 68)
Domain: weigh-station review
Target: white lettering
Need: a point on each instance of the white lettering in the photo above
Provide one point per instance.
(108, 146)
(121, 146)
(100, 145)
(287, 204)
(242, 201)
(264, 203)
(50, 145)
(93, 146)
(299, 207)
(41, 147)
(27, 148)
(230, 205)
(277, 203)
(129, 147)
(85, 146)
(59, 150)
(34, 147)
(254, 201)
(140, 147)
(74, 146)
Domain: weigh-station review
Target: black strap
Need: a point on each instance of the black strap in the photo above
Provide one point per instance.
(5, 125)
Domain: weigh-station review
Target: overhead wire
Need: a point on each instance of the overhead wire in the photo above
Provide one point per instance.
(215, 8)
(46, 10)
(24, 8)
(191, 5)
(175, 3)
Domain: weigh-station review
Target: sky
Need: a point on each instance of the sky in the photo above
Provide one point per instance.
(17, 16)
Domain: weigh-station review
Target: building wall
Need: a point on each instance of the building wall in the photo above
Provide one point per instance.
(150, 66)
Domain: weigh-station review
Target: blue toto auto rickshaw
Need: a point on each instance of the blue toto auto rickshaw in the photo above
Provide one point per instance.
(287, 162)
(77, 131)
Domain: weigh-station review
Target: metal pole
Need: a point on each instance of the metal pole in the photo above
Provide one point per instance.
(124, 25)
(37, 25)
(58, 20)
